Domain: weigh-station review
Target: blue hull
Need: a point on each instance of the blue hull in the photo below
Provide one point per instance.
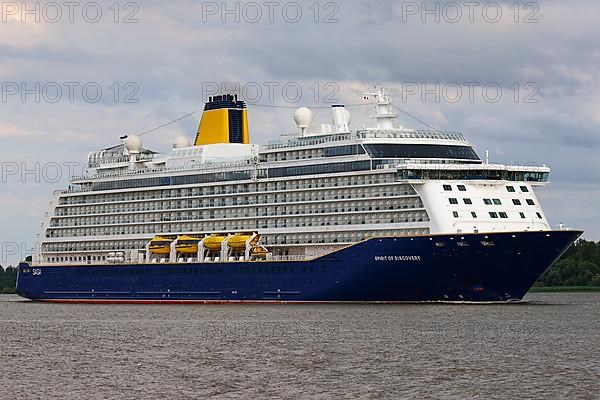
(469, 267)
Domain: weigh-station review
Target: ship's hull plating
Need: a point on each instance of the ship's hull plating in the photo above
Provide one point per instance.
(470, 267)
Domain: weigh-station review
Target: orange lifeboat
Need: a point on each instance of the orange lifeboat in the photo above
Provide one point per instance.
(238, 241)
(187, 244)
(213, 242)
(160, 245)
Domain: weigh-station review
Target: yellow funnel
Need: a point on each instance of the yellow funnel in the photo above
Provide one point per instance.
(224, 120)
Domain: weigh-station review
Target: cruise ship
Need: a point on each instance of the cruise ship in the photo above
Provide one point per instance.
(326, 214)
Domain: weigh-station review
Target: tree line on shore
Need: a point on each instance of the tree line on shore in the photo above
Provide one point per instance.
(8, 279)
(579, 266)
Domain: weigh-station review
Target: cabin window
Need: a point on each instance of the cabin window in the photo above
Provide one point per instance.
(448, 188)
(497, 202)
(493, 214)
(455, 213)
(453, 200)
(524, 189)
(461, 188)
(473, 214)
(516, 202)
(522, 214)
(530, 202)
(467, 201)
(510, 189)
(487, 201)
(503, 215)
(539, 215)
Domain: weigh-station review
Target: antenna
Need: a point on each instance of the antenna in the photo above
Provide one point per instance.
(384, 114)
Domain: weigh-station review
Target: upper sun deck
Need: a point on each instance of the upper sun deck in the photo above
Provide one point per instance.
(407, 135)
(116, 162)
(106, 162)
(324, 149)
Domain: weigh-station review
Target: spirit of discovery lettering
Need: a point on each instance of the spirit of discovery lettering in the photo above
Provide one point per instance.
(397, 258)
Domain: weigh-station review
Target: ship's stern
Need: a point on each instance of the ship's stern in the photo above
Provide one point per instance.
(26, 285)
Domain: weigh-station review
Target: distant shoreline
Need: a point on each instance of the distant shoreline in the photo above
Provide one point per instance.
(563, 289)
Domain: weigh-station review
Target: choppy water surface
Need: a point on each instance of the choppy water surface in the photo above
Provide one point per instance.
(547, 348)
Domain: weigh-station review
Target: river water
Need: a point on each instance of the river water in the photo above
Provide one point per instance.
(545, 348)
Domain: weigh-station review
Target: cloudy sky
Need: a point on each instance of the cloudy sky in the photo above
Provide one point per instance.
(521, 81)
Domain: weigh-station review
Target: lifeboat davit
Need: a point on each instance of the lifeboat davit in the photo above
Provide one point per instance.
(259, 251)
(213, 242)
(160, 245)
(187, 244)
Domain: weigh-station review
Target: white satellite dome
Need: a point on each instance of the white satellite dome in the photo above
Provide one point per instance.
(133, 144)
(303, 117)
(181, 141)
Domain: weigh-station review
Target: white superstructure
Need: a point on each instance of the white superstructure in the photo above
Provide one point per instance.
(306, 195)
